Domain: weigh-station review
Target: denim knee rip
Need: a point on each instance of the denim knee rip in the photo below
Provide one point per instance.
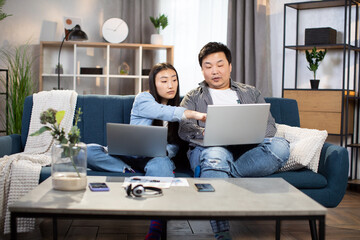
(216, 158)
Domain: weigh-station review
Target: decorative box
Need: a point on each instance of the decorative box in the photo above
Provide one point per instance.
(145, 72)
(89, 70)
(318, 36)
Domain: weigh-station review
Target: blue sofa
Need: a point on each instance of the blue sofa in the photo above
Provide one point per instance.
(327, 187)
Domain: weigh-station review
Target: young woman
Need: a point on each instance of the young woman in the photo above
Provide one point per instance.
(159, 107)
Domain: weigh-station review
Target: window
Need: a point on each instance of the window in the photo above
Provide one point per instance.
(192, 24)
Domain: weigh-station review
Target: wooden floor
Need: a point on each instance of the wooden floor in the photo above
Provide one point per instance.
(342, 222)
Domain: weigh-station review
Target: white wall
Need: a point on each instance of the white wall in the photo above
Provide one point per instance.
(330, 70)
(41, 20)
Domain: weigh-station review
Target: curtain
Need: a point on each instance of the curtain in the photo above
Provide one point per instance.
(136, 13)
(248, 40)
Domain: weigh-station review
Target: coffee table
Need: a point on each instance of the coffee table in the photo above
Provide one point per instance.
(233, 199)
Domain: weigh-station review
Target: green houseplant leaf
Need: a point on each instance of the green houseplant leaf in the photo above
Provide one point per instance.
(40, 131)
(59, 116)
(2, 14)
(54, 118)
(159, 22)
(314, 58)
(19, 61)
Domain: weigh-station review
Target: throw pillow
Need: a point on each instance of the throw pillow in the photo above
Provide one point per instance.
(305, 146)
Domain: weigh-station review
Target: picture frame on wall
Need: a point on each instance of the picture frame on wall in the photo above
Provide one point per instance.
(69, 23)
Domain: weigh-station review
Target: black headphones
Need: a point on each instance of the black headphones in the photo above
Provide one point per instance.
(140, 190)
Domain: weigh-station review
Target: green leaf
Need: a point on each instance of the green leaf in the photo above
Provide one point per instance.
(155, 22)
(314, 58)
(18, 60)
(62, 139)
(159, 22)
(163, 21)
(2, 14)
(59, 116)
(40, 131)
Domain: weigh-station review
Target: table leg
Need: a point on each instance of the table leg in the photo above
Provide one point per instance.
(322, 228)
(13, 226)
(313, 231)
(278, 229)
(164, 230)
(351, 165)
(356, 161)
(55, 233)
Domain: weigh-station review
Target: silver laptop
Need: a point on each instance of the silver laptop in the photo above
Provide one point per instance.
(235, 124)
(136, 140)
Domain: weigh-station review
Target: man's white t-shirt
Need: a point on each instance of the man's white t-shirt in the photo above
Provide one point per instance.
(224, 97)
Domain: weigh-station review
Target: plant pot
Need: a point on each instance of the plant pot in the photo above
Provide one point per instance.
(69, 164)
(57, 69)
(124, 69)
(314, 83)
(156, 39)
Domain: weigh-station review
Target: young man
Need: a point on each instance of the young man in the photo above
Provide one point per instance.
(228, 161)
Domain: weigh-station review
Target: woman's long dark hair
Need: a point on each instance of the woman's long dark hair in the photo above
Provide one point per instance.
(172, 126)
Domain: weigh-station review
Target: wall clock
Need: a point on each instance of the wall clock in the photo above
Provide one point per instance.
(115, 30)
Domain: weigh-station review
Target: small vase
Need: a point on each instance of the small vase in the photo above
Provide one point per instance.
(314, 83)
(124, 69)
(57, 69)
(69, 164)
(156, 39)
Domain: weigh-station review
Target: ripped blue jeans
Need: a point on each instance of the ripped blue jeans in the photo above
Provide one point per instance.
(218, 162)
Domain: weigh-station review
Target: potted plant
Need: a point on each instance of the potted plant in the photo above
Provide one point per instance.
(18, 61)
(160, 22)
(124, 69)
(58, 68)
(314, 58)
(68, 154)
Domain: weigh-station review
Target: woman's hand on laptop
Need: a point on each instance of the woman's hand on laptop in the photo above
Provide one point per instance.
(189, 114)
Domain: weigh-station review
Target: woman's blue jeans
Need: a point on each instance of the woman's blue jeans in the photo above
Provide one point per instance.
(99, 160)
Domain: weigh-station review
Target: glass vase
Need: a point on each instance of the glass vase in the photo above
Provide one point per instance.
(69, 164)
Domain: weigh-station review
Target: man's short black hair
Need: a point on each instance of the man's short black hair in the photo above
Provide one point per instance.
(214, 47)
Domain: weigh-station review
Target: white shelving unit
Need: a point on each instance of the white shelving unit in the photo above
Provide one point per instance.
(107, 56)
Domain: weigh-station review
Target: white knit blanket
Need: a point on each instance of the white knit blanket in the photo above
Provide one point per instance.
(58, 100)
(20, 172)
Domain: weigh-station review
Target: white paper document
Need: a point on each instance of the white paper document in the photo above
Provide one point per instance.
(159, 182)
(180, 182)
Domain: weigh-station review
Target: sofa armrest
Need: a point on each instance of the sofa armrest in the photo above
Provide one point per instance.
(334, 165)
(10, 144)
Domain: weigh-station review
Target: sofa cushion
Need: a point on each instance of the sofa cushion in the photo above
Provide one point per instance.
(284, 111)
(302, 179)
(10, 144)
(25, 120)
(97, 111)
(305, 146)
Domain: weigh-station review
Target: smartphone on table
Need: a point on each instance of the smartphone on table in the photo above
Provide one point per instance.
(204, 187)
(98, 187)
